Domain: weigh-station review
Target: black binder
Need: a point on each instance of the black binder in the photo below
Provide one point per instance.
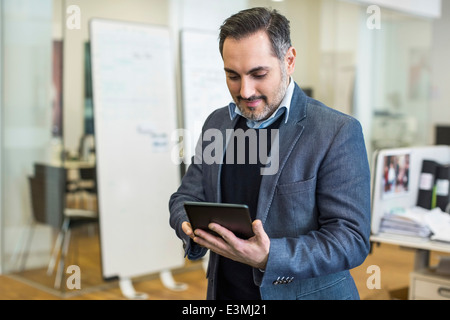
(427, 184)
(442, 186)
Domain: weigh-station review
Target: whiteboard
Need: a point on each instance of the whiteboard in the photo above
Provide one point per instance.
(134, 117)
(203, 83)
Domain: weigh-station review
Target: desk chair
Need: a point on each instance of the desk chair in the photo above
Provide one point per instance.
(48, 195)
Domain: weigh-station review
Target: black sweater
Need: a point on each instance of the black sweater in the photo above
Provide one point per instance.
(240, 184)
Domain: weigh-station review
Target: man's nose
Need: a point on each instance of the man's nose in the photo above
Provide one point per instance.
(247, 89)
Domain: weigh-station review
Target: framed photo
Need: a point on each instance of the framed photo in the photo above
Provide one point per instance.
(395, 180)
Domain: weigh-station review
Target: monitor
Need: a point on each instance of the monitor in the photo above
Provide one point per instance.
(442, 135)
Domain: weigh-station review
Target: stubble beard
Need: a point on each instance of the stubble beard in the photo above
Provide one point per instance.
(268, 109)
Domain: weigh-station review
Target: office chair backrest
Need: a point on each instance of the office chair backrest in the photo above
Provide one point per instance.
(37, 200)
(89, 174)
(48, 188)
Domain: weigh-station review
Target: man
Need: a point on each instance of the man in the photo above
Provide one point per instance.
(312, 214)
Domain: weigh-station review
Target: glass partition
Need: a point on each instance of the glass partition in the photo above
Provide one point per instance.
(39, 181)
(48, 152)
(26, 124)
(401, 71)
(375, 66)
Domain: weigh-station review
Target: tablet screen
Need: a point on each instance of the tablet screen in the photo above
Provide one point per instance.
(234, 217)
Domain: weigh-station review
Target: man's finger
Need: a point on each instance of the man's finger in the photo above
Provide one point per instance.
(187, 229)
(223, 232)
(208, 240)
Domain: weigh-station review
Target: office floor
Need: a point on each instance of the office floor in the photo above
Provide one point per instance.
(395, 265)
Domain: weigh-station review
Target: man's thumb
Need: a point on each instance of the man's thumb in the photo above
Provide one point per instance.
(257, 227)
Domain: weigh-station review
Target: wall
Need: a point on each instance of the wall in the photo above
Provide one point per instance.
(440, 99)
(339, 38)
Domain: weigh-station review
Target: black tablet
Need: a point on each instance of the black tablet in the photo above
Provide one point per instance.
(234, 217)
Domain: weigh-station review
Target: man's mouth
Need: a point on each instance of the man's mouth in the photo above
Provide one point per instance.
(252, 102)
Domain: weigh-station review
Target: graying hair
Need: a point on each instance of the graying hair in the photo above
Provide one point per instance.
(250, 21)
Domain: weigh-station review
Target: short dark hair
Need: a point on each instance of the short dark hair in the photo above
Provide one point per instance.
(250, 21)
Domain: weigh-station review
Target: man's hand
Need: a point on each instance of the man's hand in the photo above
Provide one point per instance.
(253, 252)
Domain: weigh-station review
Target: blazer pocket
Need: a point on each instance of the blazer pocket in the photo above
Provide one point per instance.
(296, 187)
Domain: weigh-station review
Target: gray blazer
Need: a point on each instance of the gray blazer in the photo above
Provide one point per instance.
(315, 208)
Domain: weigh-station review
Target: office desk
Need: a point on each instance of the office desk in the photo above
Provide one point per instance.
(73, 164)
(424, 283)
(422, 247)
(73, 167)
(427, 285)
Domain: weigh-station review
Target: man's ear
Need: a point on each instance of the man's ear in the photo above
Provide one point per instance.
(289, 59)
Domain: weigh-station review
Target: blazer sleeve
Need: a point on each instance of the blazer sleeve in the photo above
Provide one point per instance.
(189, 190)
(341, 241)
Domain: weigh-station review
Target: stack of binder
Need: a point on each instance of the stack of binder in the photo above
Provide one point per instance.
(434, 190)
(427, 184)
(405, 222)
(443, 187)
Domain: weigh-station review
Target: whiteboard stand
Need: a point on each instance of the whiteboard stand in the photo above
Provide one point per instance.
(169, 282)
(128, 291)
(126, 286)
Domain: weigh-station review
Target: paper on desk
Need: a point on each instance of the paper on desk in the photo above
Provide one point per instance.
(439, 224)
(405, 222)
(419, 222)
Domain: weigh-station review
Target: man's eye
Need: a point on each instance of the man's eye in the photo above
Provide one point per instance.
(233, 77)
(259, 76)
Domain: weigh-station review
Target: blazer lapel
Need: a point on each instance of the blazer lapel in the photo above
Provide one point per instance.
(289, 134)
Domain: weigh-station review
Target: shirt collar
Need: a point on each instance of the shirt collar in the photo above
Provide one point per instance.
(284, 107)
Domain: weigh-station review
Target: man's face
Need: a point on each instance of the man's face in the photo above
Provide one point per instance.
(256, 78)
